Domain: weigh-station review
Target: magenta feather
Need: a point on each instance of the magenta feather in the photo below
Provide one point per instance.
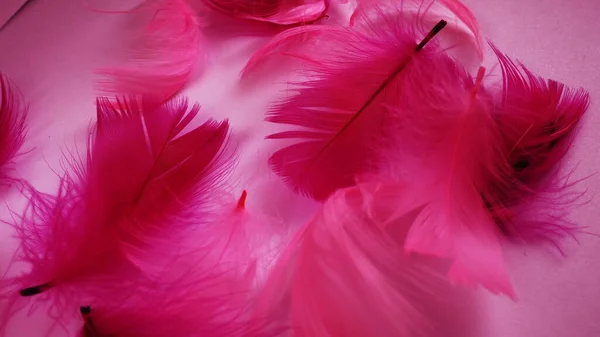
(346, 272)
(145, 186)
(538, 119)
(281, 12)
(168, 54)
(338, 112)
(12, 124)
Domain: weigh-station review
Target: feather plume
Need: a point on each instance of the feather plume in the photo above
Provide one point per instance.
(338, 112)
(215, 295)
(12, 124)
(346, 272)
(145, 185)
(281, 12)
(537, 118)
(169, 53)
(451, 150)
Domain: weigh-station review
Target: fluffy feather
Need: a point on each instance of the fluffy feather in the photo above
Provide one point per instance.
(168, 54)
(281, 12)
(450, 152)
(346, 273)
(145, 185)
(12, 124)
(338, 112)
(537, 118)
(214, 297)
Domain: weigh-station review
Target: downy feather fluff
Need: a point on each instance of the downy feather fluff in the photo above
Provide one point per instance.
(450, 151)
(281, 12)
(538, 119)
(338, 112)
(346, 273)
(167, 55)
(145, 185)
(12, 124)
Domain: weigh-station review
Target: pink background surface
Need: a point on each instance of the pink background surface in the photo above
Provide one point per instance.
(52, 47)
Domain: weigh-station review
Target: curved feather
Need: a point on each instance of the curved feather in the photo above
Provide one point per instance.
(337, 114)
(346, 272)
(144, 185)
(12, 124)
(538, 119)
(168, 54)
(281, 12)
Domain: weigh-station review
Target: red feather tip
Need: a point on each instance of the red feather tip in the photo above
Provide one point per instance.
(337, 114)
(12, 124)
(145, 186)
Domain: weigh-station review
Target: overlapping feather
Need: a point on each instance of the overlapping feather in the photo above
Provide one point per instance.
(337, 114)
(144, 187)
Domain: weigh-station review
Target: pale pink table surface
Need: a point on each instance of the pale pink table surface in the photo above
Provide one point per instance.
(52, 47)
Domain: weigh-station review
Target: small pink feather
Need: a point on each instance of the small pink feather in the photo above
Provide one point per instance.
(346, 273)
(144, 186)
(168, 55)
(538, 119)
(337, 114)
(12, 124)
(281, 12)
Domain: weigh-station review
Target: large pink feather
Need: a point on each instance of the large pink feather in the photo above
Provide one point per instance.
(337, 113)
(451, 150)
(346, 272)
(145, 185)
(12, 124)
(281, 12)
(168, 54)
(538, 118)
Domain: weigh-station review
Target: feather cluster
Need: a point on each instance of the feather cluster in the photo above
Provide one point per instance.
(421, 171)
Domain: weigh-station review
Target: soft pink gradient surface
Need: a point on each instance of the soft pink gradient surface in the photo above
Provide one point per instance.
(52, 47)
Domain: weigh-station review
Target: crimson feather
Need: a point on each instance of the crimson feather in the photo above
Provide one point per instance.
(338, 112)
(168, 54)
(346, 272)
(144, 185)
(538, 119)
(12, 124)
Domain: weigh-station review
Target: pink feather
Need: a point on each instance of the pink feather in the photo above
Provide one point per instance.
(145, 185)
(12, 124)
(337, 114)
(450, 151)
(281, 12)
(538, 119)
(213, 297)
(169, 53)
(346, 272)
